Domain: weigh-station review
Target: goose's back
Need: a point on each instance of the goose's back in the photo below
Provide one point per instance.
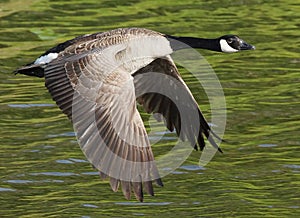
(131, 48)
(103, 40)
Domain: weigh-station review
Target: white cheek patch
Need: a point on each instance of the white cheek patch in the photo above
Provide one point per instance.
(226, 48)
(46, 58)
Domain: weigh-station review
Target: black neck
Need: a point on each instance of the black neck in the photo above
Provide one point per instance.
(178, 43)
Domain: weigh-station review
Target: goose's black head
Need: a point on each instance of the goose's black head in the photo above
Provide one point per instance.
(232, 43)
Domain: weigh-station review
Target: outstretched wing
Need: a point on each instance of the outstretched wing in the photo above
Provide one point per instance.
(98, 96)
(160, 89)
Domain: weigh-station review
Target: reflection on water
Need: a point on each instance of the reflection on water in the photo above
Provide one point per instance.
(143, 203)
(43, 171)
(267, 145)
(29, 105)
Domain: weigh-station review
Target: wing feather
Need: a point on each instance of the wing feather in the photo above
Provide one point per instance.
(109, 128)
(173, 100)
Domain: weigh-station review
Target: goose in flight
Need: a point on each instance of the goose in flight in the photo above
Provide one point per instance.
(97, 79)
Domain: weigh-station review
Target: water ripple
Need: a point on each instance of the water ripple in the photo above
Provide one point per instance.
(65, 134)
(267, 145)
(192, 167)
(90, 205)
(292, 166)
(30, 105)
(143, 203)
(64, 161)
(7, 189)
(54, 174)
(19, 181)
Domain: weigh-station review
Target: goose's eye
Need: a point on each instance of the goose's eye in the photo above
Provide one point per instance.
(230, 40)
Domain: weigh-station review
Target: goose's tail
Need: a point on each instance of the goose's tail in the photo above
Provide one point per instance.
(36, 70)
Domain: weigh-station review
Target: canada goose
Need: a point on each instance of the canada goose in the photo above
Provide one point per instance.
(93, 79)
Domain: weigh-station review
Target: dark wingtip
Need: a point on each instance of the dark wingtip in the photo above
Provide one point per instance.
(220, 150)
(214, 144)
(138, 191)
(209, 135)
(159, 182)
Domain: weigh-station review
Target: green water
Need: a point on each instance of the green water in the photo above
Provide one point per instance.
(45, 174)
